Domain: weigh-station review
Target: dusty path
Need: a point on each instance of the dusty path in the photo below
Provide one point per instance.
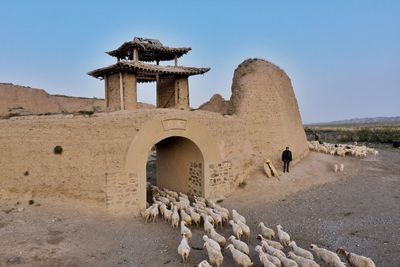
(359, 209)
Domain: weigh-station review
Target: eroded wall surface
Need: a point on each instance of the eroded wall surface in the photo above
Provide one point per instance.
(263, 98)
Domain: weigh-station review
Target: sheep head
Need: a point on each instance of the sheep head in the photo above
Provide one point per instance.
(258, 248)
(341, 251)
(230, 247)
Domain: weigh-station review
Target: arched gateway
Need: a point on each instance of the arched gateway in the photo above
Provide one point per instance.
(178, 139)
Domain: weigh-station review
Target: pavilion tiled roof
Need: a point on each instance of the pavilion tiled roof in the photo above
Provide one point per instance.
(146, 72)
(149, 50)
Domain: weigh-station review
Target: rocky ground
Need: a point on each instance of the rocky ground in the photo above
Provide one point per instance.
(358, 209)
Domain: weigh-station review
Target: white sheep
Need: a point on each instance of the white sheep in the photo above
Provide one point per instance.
(212, 242)
(354, 259)
(183, 195)
(146, 214)
(300, 251)
(214, 255)
(283, 237)
(237, 217)
(208, 227)
(265, 260)
(154, 212)
(163, 207)
(164, 200)
(211, 203)
(184, 200)
(237, 230)
(180, 205)
(199, 199)
(217, 237)
(220, 208)
(155, 201)
(216, 217)
(184, 249)
(288, 262)
(209, 218)
(186, 217)
(167, 215)
(341, 168)
(266, 232)
(196, 218)
(245, 229)
(328, 257)
(335, 168)
(272, 243)
(239, 257)
(171, 193)
(271, 250)
(224, 215)
(175, 218)
(204, 263)
(302, 262)
(185, 230)
(240, 245)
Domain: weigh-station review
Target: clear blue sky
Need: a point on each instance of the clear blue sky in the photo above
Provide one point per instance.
(343, 56)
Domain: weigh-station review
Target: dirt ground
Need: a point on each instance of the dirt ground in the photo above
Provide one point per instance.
(358, 209)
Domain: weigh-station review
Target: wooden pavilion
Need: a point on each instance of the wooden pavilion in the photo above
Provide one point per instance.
(131, 68)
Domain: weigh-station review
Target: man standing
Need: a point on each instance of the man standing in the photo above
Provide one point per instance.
(286, 158)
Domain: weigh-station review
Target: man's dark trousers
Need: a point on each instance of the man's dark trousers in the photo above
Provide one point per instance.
(286, 166)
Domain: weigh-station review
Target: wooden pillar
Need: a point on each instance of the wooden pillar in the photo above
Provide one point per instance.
(135, 54)
(130, 91)
(176, 60)
(182, 93)
(121, 91)
(106, 91)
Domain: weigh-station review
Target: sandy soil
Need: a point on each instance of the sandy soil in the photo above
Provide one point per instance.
(358, 209)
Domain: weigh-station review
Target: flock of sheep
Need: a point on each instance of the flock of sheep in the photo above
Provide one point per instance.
(342, 149)
(181, 211)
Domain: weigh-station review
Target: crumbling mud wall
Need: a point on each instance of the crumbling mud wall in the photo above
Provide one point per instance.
(104, 155)
(216, 104)
(264, 100)
(17, 100)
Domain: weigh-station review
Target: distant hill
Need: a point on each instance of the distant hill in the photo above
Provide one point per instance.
(216, 104)
(362, 121)
(23, 100)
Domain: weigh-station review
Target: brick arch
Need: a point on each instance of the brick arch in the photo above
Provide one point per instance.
(162, 128)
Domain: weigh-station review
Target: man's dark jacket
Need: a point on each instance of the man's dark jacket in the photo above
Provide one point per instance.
(287, 155)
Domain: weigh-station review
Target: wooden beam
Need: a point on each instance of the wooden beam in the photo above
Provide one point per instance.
(121, 91)
(135, 54)
(106, 91)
